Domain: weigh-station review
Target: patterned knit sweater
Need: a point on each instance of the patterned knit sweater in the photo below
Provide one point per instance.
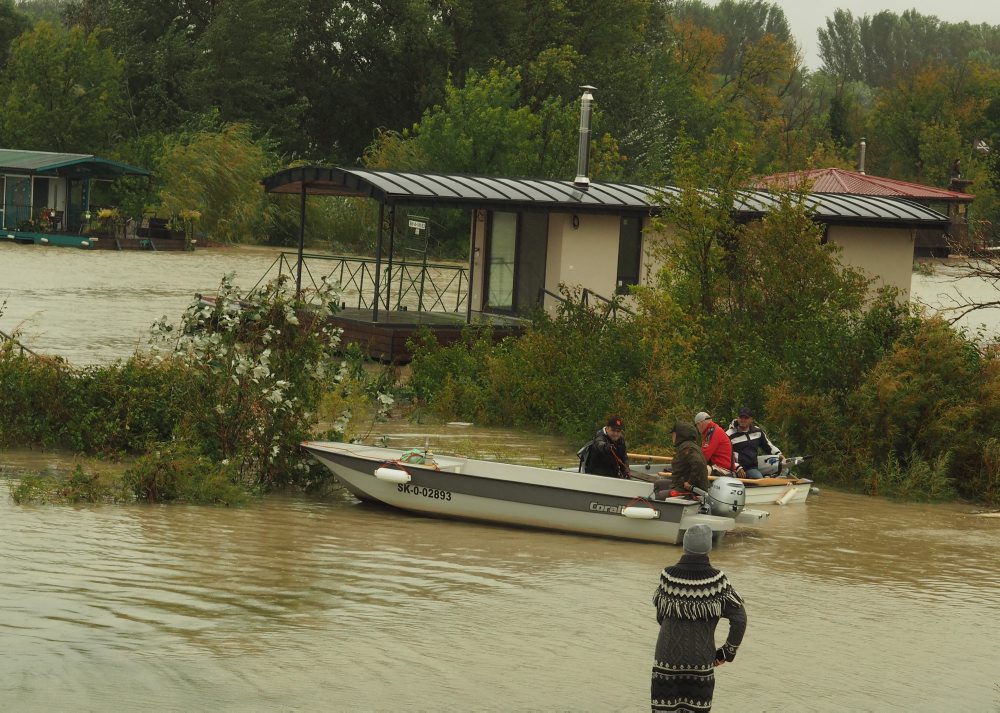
(691, 598)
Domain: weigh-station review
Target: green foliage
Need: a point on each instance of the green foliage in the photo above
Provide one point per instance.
(176, 472)
(915, 480)
(920, 397)
(218, 172)
(257, 369)
(12, 23)
(483, 127)
(218, 408)
(60, 91)
(697, 225)
(111, 411)
(452, 378)
(566, 373)
(986, 483)
(79, 485)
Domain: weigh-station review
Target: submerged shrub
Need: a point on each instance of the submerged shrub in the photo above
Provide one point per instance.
(176, 472)
(76, 486)
(915, 479)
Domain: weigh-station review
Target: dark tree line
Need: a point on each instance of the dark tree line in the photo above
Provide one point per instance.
(409, 83)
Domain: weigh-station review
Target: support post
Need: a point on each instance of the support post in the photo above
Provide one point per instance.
(472, 265)
(302, 242)
(378, 261)
(392, 248)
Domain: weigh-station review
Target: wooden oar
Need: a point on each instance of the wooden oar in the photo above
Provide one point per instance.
(651, 458)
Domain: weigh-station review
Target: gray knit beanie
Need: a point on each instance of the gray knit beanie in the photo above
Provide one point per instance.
(698, 540)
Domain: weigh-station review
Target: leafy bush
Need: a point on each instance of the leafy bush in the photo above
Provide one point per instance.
(915, 479)
(77, 486)
(218, 407)
(176, 472)
(920, 398)
(566, 373)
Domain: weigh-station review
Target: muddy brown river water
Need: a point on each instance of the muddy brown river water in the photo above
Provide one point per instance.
(291, 604)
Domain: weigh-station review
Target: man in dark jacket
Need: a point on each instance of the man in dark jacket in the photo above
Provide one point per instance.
(607, 454)
(688, 466)
(748, 442)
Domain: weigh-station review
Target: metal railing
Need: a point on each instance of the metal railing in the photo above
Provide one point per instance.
(12, 340)
(407, 285)
(35, 219)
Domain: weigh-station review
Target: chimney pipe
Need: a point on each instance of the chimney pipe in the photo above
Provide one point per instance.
(861, 155)
(582, 180)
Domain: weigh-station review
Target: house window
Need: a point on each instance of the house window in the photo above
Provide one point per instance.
(629, 254)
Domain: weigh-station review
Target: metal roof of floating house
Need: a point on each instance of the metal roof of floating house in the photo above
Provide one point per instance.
(839, 180)
(76, 165)
(457, 190)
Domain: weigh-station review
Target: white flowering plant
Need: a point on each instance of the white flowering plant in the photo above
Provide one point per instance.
(260, 365)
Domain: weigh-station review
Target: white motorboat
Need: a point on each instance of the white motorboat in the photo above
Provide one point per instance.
(464, 488)
(779, 486)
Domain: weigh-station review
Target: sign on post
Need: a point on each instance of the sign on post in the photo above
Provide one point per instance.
(417, 224)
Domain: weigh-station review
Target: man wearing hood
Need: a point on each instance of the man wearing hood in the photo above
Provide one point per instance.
(688, 466)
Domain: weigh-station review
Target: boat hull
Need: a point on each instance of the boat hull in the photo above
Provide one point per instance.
(514, 495)
(787, 492)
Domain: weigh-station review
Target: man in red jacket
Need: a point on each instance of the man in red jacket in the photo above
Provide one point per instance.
(715, 444)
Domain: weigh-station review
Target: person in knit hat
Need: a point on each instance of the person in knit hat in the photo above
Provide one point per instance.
(690, 599)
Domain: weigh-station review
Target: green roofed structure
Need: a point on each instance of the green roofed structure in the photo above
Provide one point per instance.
(47, 193)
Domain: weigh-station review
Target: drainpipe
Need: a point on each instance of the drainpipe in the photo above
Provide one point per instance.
(582, 180)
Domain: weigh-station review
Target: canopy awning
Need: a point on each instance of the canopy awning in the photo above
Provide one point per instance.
(458, 190)
(72, 165)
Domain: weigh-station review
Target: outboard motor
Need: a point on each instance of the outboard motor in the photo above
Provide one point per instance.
(726, 497)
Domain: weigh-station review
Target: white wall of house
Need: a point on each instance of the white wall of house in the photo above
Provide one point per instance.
(586, 255)
(885, 254)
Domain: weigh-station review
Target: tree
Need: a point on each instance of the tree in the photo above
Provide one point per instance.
(483, 128)
(61, 91)
(698, 218)
(265, 97)
(12, 23)
(366, 66)
(217, 172)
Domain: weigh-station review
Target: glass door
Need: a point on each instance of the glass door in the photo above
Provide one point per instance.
(17, 202)
(501, 255)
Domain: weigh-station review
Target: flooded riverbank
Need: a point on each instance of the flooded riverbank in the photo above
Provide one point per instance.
(294, 604)
(291, 603)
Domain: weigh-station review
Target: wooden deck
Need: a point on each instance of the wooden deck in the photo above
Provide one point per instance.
(385, 340)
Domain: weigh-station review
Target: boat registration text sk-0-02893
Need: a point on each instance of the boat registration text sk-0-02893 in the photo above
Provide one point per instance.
(423, 491)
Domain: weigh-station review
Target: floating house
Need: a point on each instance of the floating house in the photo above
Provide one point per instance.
(528, 237)
(929, 241)
(45, 199)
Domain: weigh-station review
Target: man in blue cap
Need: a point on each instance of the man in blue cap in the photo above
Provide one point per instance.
(749, 441)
